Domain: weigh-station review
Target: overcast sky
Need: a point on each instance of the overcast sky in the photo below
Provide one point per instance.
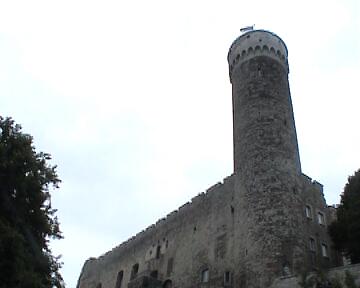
(133, 101)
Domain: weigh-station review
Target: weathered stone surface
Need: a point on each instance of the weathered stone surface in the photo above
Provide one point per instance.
(260, 223)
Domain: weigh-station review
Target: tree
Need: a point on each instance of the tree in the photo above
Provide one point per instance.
(345, 231)
(27, 220)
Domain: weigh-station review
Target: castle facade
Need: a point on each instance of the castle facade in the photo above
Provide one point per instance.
(265, 221)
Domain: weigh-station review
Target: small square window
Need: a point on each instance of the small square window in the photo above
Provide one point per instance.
(324, 250)
(205, 276)
(308, 211)
(321, 218)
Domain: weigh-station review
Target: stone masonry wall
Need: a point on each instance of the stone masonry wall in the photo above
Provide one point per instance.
(211, 232)
(196, 237)
(265, 221)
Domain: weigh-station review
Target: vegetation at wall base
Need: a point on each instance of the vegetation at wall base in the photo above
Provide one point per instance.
(345, 231)
(27, 219)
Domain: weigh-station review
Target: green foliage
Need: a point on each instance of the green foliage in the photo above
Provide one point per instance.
(336, 283)
(349, 280)
(345, 232)
(307, 280)
(27, 220)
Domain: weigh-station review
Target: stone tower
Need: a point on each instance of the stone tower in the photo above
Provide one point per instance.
(264, 126)
(265, 221)
(266, 157)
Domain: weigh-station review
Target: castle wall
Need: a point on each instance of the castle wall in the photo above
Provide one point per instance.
(196, 237)
(265, 221)
(317, 216)
(214, 231)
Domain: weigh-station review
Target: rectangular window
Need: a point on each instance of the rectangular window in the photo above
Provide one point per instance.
(205, 276)
(321, 218)
(134, 271)
(312, 245)
(308, 211)
(227, 278)
(170, 264)
(158, 251)
(324, 250)
(119, 279)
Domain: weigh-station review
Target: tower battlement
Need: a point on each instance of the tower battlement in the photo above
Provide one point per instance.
(257, 43)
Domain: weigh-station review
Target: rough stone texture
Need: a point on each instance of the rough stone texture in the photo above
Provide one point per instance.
(256, 225)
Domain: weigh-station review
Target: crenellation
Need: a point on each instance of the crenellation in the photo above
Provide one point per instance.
(218, 185)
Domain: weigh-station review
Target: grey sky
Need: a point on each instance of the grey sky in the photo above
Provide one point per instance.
(133, 101)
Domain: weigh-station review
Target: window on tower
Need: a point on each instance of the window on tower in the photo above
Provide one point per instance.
(324, 250)
(205, 275)
(308, 212)
(227, 278)
(321, 218)
(312, 245)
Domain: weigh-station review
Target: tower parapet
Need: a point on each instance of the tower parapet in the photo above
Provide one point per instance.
(256, 43)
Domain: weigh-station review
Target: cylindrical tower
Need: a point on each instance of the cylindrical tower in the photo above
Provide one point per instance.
(264, 127)
(266, 158)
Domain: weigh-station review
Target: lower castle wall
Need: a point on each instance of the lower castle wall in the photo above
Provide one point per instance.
(212, 233)
(195, 238)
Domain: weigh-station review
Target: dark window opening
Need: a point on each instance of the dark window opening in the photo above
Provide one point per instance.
(99, 285)
(158, 250)
(119, 279)
(134, 271)
(232, 209)
(313, 259)
(312, 245)
(167, 284)
(227, 278)
(170, 265)
(154, 274)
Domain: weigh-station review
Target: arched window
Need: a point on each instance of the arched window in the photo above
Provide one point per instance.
(119, 279)
(167, 284)
(134, 271)
(154, 274)
(158, 250)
